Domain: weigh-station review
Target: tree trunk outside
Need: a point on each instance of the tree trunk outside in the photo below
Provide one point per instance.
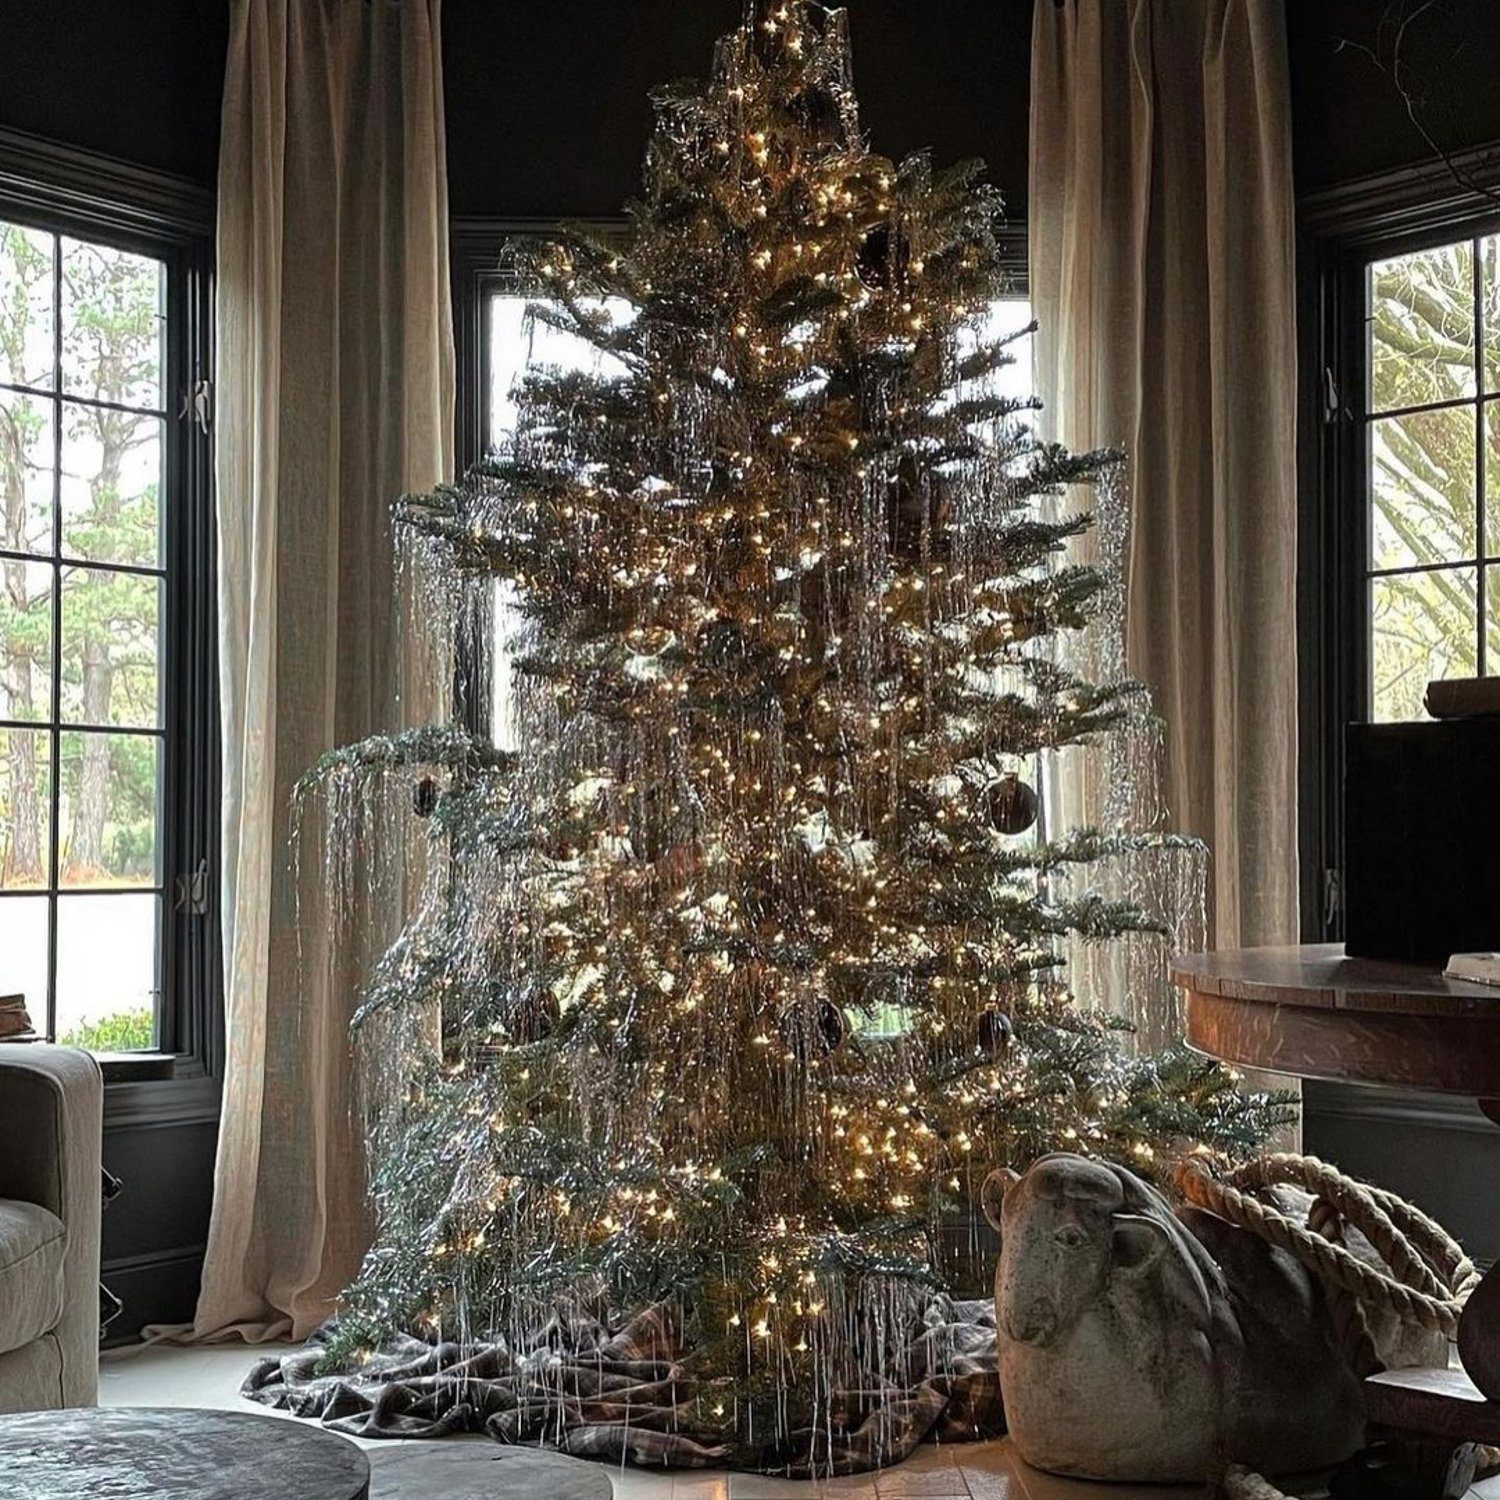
(24, 862)
(86, 847)
(24, 856)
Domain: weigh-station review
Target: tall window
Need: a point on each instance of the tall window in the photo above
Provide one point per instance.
(512, 347)
(1431, 413)
(95, 397)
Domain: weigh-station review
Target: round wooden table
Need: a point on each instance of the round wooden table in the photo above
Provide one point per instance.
(175, 1453)
(1313, 1013)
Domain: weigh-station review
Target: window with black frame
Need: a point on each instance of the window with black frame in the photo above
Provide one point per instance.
(105, 717)
(1431, 481)
(513, 343)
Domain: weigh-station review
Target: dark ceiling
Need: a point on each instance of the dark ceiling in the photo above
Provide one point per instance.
(547, 98)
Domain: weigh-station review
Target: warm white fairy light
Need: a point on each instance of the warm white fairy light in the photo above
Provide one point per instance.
(782, 592)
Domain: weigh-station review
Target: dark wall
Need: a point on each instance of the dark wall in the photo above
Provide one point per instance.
(547, 104)
(1348, 117)
(136, 79)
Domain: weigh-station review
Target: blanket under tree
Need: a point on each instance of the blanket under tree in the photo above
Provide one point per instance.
(625, 1393)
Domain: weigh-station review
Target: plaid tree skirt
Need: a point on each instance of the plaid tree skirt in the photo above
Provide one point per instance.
(627, 1394)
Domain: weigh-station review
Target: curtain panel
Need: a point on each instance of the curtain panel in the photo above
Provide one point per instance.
(1162, 274)
(335, 395)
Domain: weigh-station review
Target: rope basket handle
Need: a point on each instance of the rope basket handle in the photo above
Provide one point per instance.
(1429, 1280)
(1357, 1204)
(1328, 1260)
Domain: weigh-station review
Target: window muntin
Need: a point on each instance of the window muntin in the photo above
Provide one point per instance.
(1431, 419)
(83, 593)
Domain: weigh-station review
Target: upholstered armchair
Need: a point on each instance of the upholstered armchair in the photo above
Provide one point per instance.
(51, 1118)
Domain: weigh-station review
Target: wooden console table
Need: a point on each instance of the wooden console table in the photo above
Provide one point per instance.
(1314, 1013)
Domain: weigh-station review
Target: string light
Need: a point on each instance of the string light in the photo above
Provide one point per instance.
(692, 1005)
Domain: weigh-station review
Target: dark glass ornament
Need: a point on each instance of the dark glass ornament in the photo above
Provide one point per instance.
(424, 797)
(995, 1031)
(1009, 804)
(882, 258)
(821, 1034)
(833, 1026)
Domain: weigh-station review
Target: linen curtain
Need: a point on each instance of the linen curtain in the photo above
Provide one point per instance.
(335, 395)
(1162, 275)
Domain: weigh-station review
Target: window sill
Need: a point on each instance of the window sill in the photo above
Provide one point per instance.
(135, 1067)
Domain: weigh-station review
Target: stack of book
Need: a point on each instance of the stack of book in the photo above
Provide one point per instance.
(15, 1024)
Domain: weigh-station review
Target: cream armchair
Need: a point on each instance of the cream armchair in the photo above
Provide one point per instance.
(51, 1119)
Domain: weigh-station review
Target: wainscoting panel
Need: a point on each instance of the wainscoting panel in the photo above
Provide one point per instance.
(1436, 1150)
(155, 1230)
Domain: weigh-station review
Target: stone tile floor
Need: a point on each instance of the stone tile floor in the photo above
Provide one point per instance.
(210, 1376)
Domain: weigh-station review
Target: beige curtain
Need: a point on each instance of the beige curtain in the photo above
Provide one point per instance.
(335, 383)
(1162, 274)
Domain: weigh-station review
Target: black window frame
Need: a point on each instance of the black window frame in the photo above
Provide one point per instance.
(64, 190)
(1341, 231)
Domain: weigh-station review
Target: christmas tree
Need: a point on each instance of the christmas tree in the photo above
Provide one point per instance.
(725, 990)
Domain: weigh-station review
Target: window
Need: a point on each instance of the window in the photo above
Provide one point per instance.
(106, 717)
(1398, 469)
(1432, 486)
(512, 347)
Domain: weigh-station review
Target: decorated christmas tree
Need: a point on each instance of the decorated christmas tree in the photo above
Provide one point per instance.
(723, 992)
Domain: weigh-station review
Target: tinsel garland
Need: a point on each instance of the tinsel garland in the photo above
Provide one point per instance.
(724, 991)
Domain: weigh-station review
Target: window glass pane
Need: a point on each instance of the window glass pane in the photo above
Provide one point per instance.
(1492, 620)
(25, 639)
(1422, 480)
(26, 355)
(108, 809)
(1489, 266)
(25, 473)
(25, 809)
(112, 321)
(111, 485)
(1492, 479)
(514, 348)
(1423, 626)
(23, 954)
(106, 971)
(1422, 327)
(109, 647)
